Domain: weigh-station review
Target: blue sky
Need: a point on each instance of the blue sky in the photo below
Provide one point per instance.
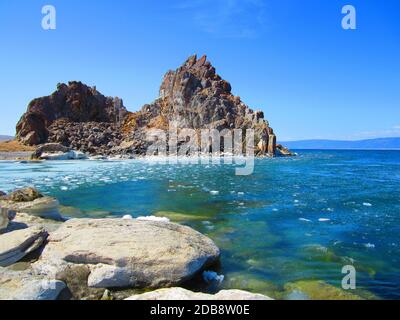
(289, 58)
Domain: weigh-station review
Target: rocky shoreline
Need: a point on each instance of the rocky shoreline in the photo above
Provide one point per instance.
(44, 257)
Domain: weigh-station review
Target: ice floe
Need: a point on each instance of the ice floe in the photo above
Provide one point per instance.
(153, 218)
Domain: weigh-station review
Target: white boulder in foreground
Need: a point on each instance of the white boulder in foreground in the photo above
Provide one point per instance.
(183, 294)
(17, 244)
(128, 253)
(23, 285)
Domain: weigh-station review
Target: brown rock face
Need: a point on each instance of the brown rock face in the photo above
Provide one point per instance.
(195, 97)
(74, 102)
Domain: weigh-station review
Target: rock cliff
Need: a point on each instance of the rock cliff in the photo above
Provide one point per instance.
(193, 96)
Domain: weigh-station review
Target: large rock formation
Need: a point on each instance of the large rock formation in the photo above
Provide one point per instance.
(193, 96)
(75, 102)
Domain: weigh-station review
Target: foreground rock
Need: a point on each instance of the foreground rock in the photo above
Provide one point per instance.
(17, 244)
(23, 285)
(183, 294)
(24, 220)
(127, 253)
(31, 201)
(4, 219)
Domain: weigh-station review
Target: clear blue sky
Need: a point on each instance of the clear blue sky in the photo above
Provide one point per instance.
(289, 58)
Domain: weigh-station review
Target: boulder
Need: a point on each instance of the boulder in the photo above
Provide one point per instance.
(24, 195)
(3, 218)
(49, 148)
(128, 253)
(183, 294)
(23, 285)
(17, 244)
(70, 155)
(43, 207)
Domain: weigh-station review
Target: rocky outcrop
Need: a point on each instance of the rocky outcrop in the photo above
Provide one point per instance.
(127, 253)
(193, 96)
(17, 244)
(23, 285)
(75, 103)
(283, 151)
(183, 294)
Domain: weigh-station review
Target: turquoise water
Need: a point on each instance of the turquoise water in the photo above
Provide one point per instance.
(300, 218)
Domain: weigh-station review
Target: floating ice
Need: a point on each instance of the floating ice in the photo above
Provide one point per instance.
(324, 219)
(214, 193)
(64, 188)
(211, 276)
(127, 217)
(305, 220)
(370, 245)
(367, 204)
(153, 218)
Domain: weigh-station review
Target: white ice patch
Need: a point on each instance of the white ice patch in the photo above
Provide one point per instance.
(211, 276)
(305, 220)
(64, 188)
(127, 217)
(370, 245)
(153, 218)
(367, 204)
(324, 219)
(214, 193)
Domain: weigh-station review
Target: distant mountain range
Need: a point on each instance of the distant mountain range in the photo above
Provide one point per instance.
(380, 143)
(5, 138)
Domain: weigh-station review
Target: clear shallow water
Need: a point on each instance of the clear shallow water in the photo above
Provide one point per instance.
(268, 225)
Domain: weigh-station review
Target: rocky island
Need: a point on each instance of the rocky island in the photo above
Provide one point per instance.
(193, 96)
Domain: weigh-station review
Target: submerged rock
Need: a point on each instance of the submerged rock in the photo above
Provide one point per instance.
(17, 244)
(23, 285)
(317, 290)
(183, 294)
(128, 253)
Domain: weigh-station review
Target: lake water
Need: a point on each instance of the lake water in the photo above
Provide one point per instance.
(292, 222)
